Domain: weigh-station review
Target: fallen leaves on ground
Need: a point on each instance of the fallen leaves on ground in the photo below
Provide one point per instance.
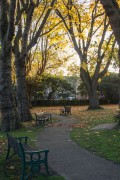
(79, 125)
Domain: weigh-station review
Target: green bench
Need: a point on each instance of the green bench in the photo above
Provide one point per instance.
(42, 118)
(29, 157)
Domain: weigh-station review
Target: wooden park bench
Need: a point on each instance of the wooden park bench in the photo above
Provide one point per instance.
(65, 111)
(42, 118)
(29, 157)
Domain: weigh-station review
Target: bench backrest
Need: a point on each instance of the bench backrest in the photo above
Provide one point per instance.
(38, 115)
(12, 142)
(16, 145)
(67, 108)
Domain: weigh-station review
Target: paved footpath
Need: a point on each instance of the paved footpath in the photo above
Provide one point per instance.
(71, 161)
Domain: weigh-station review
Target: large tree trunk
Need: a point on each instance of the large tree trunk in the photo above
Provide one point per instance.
(22, 98)
(91, 86)
(93, 98)
(8, 109)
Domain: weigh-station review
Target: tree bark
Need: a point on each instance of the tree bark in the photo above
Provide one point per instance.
(8, 109)
(93, 98)
(113, 12)
(7, 101)
(22, 97)
(91, 86)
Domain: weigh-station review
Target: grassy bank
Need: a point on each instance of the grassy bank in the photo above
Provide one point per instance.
(105, 143)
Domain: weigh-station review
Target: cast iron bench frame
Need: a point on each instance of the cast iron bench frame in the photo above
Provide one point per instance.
(29, 157)
(66, 110)
(42, 118)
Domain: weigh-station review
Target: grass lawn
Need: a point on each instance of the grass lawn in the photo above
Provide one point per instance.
(105, 143)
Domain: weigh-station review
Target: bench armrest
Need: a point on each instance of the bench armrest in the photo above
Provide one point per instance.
(37, 155)
(23, 139)
(41, 151)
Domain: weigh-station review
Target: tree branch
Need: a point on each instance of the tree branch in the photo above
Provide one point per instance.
(35, 38)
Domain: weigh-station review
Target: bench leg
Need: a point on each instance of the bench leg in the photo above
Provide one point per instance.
(8, 152)
(46, 166)
(23, 173)
(43, 122)
(50, 118)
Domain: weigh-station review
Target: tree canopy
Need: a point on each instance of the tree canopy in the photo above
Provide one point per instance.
(92, 39)
(35, 36)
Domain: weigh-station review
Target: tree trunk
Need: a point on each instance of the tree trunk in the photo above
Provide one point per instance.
(8, 109)
(7, 102)
(112, 10)
(93, 98)
(22, 98)
(91, 87)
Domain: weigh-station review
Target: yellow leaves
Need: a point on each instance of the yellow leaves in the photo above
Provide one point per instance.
(52, 41)
(80, 35)
(84, 66)
(92, 5)
(87, 134)
(108, 73)
(70, 12)
(56, 6)
(11, 167)
(91, 67)
(29, 131)
(33, 140)
(96, 132)
(99, 80)
(50, 7)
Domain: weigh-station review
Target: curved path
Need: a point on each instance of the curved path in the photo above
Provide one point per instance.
(71, 161)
